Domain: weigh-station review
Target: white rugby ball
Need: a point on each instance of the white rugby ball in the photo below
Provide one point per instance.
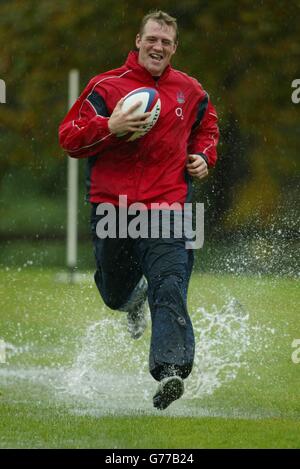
(150, 102)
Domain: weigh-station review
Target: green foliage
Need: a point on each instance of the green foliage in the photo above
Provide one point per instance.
(245, 54)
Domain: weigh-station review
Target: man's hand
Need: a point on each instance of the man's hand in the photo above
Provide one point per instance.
(197, 166)
(122, 122)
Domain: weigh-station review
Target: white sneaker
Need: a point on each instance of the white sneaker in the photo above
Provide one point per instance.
(137, 321)
(136, 309)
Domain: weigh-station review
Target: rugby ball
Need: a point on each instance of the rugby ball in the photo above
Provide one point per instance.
(150, 102)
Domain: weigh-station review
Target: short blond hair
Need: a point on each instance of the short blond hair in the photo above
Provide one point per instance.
(162, 18)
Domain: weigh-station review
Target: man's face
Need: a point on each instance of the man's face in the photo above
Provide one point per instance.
(156, 46)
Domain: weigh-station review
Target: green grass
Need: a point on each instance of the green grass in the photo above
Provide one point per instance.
(46, 322)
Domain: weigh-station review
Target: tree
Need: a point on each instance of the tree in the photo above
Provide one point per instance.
(246, 55)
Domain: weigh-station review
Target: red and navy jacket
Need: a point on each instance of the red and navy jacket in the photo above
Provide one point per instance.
(152, 168)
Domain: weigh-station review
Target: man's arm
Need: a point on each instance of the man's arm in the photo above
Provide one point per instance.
(84, 131)
(202, 146)
(88, 129)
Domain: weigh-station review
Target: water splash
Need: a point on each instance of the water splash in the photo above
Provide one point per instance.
(222, 339)
(109, 364)
(109, 371)
(12, 350)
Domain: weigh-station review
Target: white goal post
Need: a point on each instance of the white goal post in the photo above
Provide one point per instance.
(72, 186)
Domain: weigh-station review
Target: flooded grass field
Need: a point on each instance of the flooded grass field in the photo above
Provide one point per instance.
(73, 378)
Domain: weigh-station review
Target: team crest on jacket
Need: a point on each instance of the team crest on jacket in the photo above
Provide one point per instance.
(180, 97)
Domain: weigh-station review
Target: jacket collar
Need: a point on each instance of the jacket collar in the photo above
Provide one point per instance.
(132, 62)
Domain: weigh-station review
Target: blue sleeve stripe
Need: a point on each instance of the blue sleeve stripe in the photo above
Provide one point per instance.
(200, 113)
(98, 103)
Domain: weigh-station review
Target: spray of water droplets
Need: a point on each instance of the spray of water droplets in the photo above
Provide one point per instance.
(110, 365)
(109, 371)
(222, 339)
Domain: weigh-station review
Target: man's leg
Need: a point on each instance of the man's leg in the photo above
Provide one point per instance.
(118, 272)
(119, 277)
(118, 267)
(167, 265)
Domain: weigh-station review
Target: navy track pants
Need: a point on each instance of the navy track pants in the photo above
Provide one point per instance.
(167, 266)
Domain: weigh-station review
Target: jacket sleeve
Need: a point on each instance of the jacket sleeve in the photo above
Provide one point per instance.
(84, 131)
(205, 133)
